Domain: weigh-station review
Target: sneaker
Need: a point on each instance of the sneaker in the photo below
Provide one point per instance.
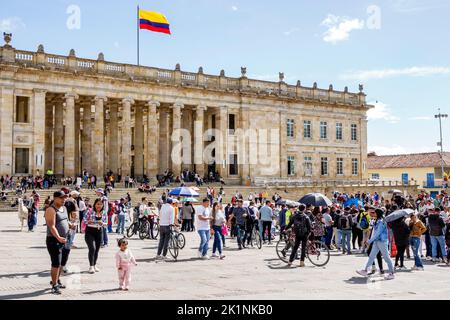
(390, 276)
(240, 248)
(158, 257)
(362, 273)
(221, 257)
(428, 258)
(270, 243)
(205, 257)
(91, 269)
(448, 262)
(403, 268)
(289, 264)
(199, 254)
(415, 268)
(59, 284)
(74, 247)
(96, 269)
(55, 290)
(302, 264)
(65, 270)
(214, 255)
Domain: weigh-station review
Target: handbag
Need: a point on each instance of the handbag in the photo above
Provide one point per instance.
(224, 230)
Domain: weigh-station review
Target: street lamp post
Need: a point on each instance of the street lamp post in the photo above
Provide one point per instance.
(440, 116)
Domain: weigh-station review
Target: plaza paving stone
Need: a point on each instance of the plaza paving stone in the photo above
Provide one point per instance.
(242, 275)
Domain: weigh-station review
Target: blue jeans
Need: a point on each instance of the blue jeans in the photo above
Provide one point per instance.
(338, 239)
(415, 243)
(434, 244)
(204, 240)
(217, 239)
(328, 236)
(240, 231)
(32, 220)
(380, 246)
(346, 236)
(121, 224)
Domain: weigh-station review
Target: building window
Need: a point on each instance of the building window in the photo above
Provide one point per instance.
(290, 128)
(355, 167)
(213, 121)
(323, 130)
(375, 176)
(231, 123)
(22, 160)
(338, 131)
(308, 166)
(354, 128)
(291, 165)
(307, 129)
(324, 166)
(340, 166)
(233, 165)
(22, 109)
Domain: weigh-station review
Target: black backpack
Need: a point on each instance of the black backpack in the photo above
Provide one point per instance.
(301, 225)
(343, 223)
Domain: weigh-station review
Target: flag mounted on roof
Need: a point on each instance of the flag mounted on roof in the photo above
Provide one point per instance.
(153, 21)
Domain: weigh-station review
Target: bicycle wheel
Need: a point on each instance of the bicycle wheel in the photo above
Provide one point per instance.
(256, 239)
(283, 250)
(318, 253)
(131, 230)
(181, 240)
(173, 247)
(155, 230)
(143, 231)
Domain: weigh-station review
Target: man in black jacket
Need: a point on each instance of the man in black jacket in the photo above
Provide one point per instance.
(302, 228)
(436, 225)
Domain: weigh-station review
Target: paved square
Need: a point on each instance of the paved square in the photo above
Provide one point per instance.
(246, 274)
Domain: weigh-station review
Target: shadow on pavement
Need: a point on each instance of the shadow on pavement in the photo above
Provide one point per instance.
(25, 295)
(102, 291)
(11, 231)
(40, 274)
(357, 280)
(38, 247)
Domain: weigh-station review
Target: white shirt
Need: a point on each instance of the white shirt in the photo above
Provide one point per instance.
(206, 213)
(166, 215)
(220, 218)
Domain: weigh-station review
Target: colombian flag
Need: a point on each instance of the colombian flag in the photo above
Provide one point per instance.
(153, 21)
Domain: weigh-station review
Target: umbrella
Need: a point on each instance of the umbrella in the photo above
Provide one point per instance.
(353, 201)
(190, 200)
(394, 191)
(399, 214)
(195, 189)
(183, 192)
(280, 202)
(316, 200)
(292, 203)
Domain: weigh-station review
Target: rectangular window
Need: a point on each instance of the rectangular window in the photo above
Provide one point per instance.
(308, 166)
(290, 128)
(213, 121)
(324, 166)
(323, 130)
(355, 167)
(375, 176)
(340, 166)
(233, 165)
(231, 123)
(22, 160)
(307, 129)
(338, 131)
(291, 165)
(354, 128)
(22, 109)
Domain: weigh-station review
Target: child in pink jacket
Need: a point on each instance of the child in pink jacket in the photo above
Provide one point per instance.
(124, 261)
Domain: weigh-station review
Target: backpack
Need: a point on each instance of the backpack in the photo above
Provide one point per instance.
(301, 225)
(364, 223)
(343, 223)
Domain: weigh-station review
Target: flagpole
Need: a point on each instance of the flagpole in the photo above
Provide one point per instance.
(137, 20)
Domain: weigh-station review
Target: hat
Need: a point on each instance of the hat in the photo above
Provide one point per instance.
(74, 193)
(168, 200)
(60, 194)
(65, 190)
(99, 190)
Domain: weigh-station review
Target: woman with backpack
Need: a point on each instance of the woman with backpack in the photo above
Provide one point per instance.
(379, 239)
(401, 237)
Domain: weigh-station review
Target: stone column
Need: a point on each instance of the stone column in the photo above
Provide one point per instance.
(164, 140)
(138, 141)
(176, 138)
(221, 153)
(243, 156)
(77, 140)
(283, 146)
(59, 138)
(98, 139)
(6, 130)
(38, 132)
(152, 140)
(126, 136)
(69, 136)
(362, 141)
(86, 149)
(48, 158)
(199, 145)
(114, 147)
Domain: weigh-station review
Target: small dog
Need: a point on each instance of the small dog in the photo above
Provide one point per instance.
(23, 213)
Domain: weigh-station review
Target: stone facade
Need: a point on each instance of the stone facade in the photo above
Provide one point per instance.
(98, 115)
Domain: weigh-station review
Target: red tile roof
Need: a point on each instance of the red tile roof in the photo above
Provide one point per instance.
(416, 160)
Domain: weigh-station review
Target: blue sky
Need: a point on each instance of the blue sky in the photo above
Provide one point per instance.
(398, 49)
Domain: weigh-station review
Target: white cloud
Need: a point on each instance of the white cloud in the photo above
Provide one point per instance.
(421, 118)
(339, 28)
(11, 24)
(387, 73)
(291, 31)
(381, 112)
(234, 8)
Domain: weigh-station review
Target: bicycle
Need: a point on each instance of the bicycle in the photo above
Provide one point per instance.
(179, 237)
(316, 251)
(174, 245)
(256, 238)
(144, 229)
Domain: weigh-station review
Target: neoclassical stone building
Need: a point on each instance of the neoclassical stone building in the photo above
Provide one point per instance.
(68, 114)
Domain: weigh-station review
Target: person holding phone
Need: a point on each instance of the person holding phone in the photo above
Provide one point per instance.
(57, 222)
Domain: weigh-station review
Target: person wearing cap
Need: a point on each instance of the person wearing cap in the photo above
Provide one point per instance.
(379, 241)
(58, 225)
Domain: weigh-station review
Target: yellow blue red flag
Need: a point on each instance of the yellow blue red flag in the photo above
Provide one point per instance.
(153, 21)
